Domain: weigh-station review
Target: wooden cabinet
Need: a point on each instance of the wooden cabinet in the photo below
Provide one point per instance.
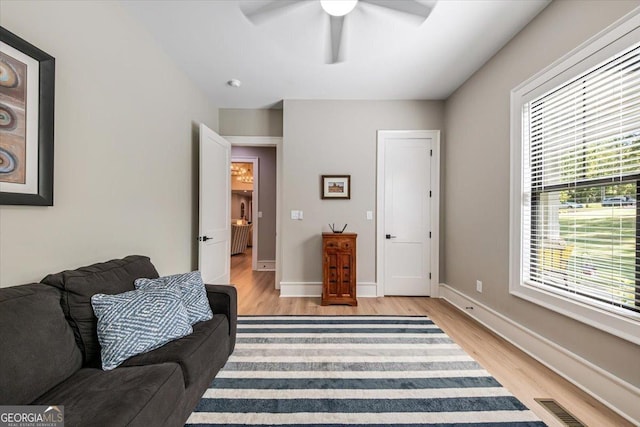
(339, 268)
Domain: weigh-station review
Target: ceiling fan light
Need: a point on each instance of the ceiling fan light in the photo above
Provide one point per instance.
(338, 7)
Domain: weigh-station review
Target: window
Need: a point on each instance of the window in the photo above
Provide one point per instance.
(577, 186)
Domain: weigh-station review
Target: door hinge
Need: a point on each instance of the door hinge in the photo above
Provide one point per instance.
(429, 193)
(431, 153)
(429, 234)
(429, 275)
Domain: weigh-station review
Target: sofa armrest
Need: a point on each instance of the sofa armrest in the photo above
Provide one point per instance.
(223, 299)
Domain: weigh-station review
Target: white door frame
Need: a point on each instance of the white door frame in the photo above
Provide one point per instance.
(254, 205)
(434, 135)
(267, 141)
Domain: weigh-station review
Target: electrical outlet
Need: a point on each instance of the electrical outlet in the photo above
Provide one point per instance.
(479, 286)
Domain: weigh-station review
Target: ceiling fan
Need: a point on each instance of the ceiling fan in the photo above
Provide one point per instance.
(337, 12)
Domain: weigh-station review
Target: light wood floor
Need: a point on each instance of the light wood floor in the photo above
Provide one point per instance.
(519, 373)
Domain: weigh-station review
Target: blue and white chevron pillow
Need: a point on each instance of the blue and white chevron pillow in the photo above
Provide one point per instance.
(192, 290)
(138, 321)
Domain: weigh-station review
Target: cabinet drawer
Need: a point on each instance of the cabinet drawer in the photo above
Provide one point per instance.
(344, 244)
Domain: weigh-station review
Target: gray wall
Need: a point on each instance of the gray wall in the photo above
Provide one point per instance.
(476, 172)
(125, 157)
(249, 122)
(266, 197)
(337, 137)
(236, 201)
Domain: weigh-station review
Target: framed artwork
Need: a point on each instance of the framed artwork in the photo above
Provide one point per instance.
(336, 186)
(27, 88)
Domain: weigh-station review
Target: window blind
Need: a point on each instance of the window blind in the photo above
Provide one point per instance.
(581, 175)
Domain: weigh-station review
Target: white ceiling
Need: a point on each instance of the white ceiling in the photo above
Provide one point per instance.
(387, 54)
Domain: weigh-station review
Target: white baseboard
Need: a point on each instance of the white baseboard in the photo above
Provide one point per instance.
(300, 289)
(266, 265)
(367, 289)
(619, 395)
(314, 289)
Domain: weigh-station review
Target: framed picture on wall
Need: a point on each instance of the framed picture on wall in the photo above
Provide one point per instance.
(27, 87)
(336, 186)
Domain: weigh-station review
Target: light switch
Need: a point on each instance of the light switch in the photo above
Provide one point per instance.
(300, 217)
(369, 215)
(259, 214)
(294, 214)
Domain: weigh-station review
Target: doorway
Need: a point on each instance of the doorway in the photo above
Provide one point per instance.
(408, 213)
(265, 203)
(244, 206)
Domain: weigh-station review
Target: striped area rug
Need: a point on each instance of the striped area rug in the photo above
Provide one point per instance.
(353, 371)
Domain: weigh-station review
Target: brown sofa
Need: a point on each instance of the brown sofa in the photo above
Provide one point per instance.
(50, 353)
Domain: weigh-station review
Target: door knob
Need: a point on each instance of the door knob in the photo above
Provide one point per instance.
(205, 238)
(389, 236)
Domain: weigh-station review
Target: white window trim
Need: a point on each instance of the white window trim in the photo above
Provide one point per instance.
(612, 40)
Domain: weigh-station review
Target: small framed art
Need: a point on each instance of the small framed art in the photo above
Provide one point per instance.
(336, 186)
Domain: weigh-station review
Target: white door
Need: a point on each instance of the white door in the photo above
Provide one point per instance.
(406, 216)
(214, 250)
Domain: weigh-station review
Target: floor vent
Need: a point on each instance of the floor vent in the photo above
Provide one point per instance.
(560, 413)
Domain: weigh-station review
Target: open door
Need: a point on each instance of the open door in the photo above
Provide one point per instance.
(214, 250)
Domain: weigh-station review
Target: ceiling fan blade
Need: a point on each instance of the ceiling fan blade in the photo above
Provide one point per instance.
(411, 7)
(336, 25)
(269, 10)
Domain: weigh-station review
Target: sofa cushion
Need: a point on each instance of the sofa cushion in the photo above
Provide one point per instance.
(140, 396)
(137, 321)
(193, 293)
(78, 286)
(37, 347)
(200, 354)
